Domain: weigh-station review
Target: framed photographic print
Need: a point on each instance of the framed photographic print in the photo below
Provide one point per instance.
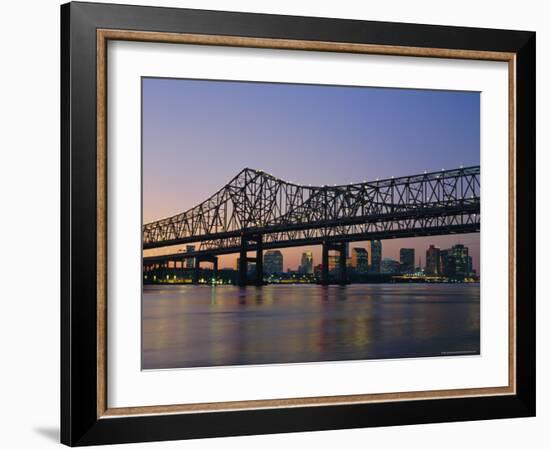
(277, 224)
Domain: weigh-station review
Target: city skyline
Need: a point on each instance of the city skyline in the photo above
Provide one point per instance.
(198, 134)
(419, 262)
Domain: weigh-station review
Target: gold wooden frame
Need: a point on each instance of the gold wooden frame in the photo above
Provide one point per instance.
(104, 35)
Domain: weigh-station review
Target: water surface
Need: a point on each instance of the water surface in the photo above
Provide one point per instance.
(198, 326)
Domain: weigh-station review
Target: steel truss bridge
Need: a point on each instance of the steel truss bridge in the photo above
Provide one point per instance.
(256, 211)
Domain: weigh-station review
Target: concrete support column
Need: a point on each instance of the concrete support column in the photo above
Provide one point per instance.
(215, 266)
(342, 262)
(196, 271)
(259, 261)
(243, 263)
(342, 265)
(324, 265)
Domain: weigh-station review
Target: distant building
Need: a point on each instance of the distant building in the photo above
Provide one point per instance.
(406, 258)
(471, 271)
(456, 262)
(347, 254)
(190, 262)
(273, 262)
(447, 263)
(317, 270)
(250, 267)
(360, 260)
(375, 255)
(462, 260)
(390, 266)
(306, 265)
(333, 263)
(346, 250)
(433, 265)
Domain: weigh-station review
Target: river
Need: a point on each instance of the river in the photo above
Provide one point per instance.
(197, 326)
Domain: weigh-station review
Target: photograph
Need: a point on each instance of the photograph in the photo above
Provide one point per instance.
(301, 223)
(271, 223)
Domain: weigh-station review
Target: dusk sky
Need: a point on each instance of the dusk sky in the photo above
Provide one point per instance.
(199, 134)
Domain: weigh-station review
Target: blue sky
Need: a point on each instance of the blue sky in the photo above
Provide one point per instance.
(198, 134)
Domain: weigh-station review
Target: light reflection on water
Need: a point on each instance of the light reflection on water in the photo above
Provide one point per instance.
(192, 325)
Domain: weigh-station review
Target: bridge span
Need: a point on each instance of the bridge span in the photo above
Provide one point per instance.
(256, 211)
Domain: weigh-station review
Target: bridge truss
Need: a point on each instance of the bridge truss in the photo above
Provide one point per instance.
(255, 203)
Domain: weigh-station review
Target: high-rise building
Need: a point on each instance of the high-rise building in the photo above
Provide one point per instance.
(456, 262)
(406, 258)
(306, 265)
(390, 266)
(462, 262)
(273, 262)
(375, 255)
(360, 260)
(190, 262)
(447, 263)
(433, 265)
(471, 271)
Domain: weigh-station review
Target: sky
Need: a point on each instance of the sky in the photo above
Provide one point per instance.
(198, 134)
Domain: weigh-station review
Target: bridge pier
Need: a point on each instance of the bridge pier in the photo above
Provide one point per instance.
(198, 260)
(343, 265)
(196, 272)
(259, 261)
(324, 265)
(181, 268)
(242, 277)
(243, 263)
(340, 247)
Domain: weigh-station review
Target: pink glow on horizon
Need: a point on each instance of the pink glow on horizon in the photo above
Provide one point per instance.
(390, 249)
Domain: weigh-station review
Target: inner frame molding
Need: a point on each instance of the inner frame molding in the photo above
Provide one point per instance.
(105, 35)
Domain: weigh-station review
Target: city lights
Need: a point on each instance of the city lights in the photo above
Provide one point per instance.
(362, 263)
